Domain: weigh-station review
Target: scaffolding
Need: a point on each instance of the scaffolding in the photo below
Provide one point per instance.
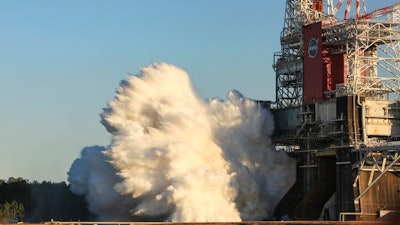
(370, 46)
(355, 128)
(288, 63)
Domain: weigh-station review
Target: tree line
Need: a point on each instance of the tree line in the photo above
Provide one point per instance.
(21, 200)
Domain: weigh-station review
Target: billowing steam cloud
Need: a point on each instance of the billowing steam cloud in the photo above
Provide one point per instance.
(174, 157)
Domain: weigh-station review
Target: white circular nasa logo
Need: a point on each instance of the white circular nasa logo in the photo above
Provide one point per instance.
(312, 47)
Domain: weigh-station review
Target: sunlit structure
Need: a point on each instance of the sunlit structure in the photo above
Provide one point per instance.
(337, 108)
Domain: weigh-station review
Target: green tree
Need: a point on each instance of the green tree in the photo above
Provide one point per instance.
(21, 212)
(13, 210)
(7, 210)
(36, 202)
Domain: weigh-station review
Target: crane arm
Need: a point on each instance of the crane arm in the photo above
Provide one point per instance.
(381, 12)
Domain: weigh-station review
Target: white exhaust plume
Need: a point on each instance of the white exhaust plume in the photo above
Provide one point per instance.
(175, 157)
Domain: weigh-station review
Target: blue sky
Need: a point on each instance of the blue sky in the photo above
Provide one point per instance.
(62, 60)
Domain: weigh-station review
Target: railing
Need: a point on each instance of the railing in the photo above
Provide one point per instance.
(342, 215)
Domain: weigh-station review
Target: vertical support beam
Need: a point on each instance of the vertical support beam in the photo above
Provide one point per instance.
(384, 163)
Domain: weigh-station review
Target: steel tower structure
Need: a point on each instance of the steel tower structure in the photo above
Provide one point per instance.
(383, 36)
(338, 109)
(288, 63)
(369, 45)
